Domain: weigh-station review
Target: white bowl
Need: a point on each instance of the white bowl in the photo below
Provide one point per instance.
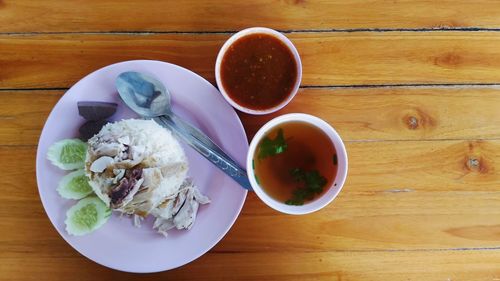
(333, 190)
(259, 30)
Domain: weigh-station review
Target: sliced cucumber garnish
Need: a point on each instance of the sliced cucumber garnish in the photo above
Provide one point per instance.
(74, 185)
(68, 154)
(86, 216)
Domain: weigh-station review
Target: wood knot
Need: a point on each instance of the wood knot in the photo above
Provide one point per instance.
(412, 122)
(448, 59)
(448, 24)
(476, 164)
(293, 2)
(418, 119)
(473, 163)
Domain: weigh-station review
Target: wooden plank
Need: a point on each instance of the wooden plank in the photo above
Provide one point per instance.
(355, 222)
(23, 115)
(357, 114)
(434, 201)
(328, 58)
(192, 15)
(397, 113)
(331, 266)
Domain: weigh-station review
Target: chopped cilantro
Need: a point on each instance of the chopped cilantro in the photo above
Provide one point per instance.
(271, 147)
(298, 174)
(313, 184)
(314, 181)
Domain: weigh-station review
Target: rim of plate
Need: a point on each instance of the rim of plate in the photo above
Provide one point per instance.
(40, 157)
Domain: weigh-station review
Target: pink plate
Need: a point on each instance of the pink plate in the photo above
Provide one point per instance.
(118, 244)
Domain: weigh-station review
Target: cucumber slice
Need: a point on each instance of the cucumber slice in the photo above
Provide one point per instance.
(68, 154)
(86, 216)
(74, 185)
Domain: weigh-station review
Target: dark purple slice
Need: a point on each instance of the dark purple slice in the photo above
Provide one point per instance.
(96, 110)
(90, 128)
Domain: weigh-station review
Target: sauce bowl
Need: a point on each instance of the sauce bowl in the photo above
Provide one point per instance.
(250, 31)
(331, 192)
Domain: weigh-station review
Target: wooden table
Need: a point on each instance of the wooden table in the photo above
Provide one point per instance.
(412, 87)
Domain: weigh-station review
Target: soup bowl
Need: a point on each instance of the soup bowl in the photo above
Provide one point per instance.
(321, 200)
(246, 32)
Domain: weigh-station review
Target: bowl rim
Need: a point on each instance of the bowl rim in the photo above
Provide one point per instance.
(245, 32)
(337, 184)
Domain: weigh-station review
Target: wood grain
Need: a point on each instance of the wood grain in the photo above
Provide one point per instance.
(358, 114)
(373, 114)
(331, 266)
(23, 115)
(328, 58)
(370, 232)
(421, 199)
(427, 204)
(192, 15)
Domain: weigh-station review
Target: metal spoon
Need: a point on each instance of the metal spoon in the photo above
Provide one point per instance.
(149, 98)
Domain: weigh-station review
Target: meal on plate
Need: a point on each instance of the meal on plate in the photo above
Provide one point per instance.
(294, 163)
(134, 167)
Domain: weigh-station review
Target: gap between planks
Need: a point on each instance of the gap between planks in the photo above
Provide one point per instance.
(373, 251)
(333, 30)
(361, 86)
(345, 141)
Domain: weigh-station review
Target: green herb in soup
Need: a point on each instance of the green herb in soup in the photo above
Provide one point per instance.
(312, 183)
(293, 163)
(270, 147)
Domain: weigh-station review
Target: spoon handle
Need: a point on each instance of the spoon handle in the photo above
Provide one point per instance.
(206, 147)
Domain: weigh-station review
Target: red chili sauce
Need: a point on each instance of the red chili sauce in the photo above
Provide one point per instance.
(258, 71)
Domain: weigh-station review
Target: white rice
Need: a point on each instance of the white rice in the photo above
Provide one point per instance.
(137, 142)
